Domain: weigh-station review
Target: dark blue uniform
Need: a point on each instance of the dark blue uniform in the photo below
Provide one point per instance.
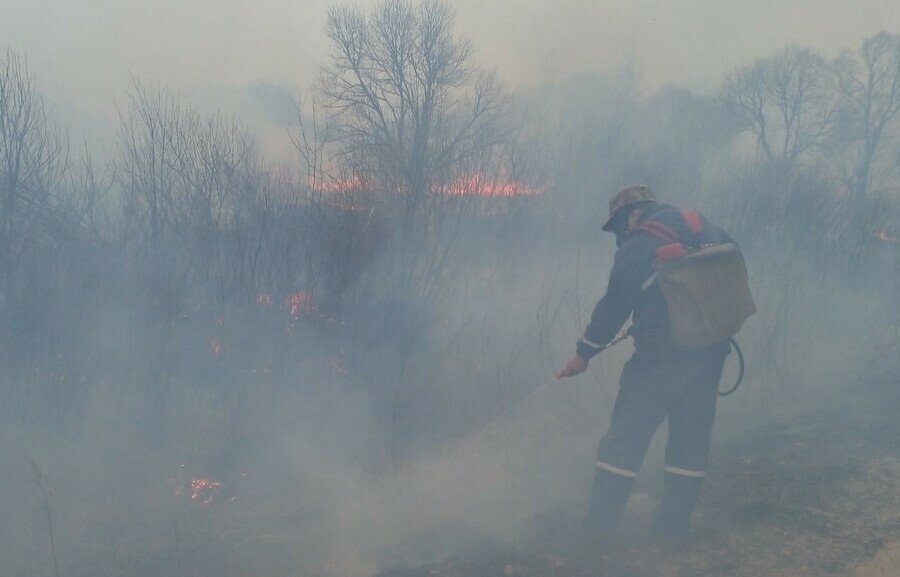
(660, 380)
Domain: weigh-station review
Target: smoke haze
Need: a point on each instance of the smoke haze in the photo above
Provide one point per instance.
(87, 49)
(239, 337)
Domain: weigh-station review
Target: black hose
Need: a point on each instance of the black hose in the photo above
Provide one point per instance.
(740, 378)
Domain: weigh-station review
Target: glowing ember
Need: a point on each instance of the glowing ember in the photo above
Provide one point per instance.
(883, 236)
(203, 490)
(300, 302)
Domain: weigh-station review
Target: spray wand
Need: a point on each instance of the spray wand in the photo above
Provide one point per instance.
(619, 338)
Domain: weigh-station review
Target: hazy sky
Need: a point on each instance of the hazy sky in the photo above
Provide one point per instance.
(84, 51)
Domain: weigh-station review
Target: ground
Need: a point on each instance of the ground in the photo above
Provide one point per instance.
(816, 495)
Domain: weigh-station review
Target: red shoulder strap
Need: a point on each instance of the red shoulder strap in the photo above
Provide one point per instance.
(660, 230)
(692, 218)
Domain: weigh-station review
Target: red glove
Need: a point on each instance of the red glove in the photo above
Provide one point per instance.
(575, 366)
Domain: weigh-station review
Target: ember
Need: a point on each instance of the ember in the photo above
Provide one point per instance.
(300, 302)
(203, 490)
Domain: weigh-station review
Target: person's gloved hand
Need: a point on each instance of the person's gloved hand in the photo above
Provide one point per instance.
(575, 366)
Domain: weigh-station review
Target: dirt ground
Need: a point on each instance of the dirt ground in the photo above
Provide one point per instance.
(817, 496)
(886, 563)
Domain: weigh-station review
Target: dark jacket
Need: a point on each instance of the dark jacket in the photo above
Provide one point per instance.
(625, 295)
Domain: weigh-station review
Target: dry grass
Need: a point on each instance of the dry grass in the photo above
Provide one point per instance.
(818, 496)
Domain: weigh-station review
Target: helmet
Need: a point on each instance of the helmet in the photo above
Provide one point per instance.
(627, 198)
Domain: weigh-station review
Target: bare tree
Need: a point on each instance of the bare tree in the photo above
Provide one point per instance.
(213, 156)
(408, 101)
(870, 86)
(33, 158)
(411, 117)
(183, 176)
(35, 226)
(417, 135)
(786, 100)
(148, 131)
(89, 196)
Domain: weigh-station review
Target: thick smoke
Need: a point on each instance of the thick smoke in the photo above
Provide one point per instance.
(221, 362)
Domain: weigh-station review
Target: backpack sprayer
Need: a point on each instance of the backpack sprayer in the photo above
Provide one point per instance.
(707, 293)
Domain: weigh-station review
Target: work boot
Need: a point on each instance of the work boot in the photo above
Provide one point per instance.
(608, 498)
(680, 494)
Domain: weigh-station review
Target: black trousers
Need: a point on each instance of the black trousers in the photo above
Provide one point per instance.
(681, 388)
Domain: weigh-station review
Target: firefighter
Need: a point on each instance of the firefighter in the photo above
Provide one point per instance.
(660, 380)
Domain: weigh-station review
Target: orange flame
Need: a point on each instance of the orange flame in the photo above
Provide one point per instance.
(479, 185)
(476, 184)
